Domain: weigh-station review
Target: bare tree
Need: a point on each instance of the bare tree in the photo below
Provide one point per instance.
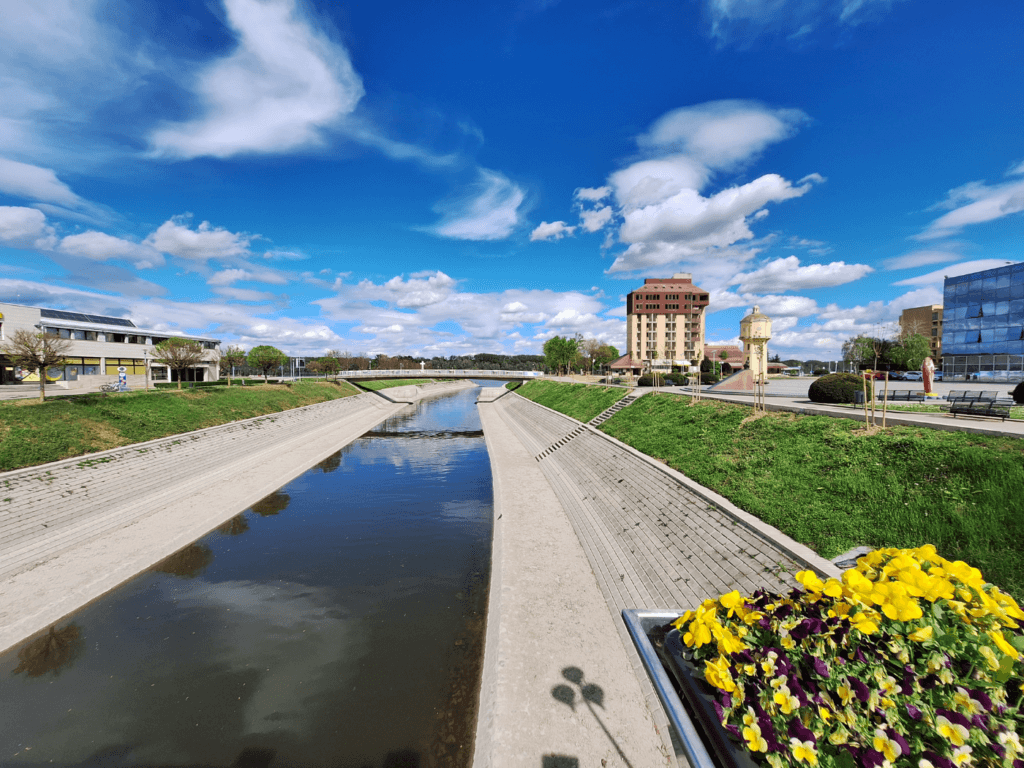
(232, 357)
(35, 352)
(178, 354)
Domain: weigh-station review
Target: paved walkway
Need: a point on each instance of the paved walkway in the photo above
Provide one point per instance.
(72, 530)
(943, 421)
(557, 687)
(652, 538)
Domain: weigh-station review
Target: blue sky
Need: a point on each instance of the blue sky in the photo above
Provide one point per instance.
(451, 178)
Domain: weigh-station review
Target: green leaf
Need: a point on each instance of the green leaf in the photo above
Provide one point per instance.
(1017, 641)
(1005, 670)
(947, 640)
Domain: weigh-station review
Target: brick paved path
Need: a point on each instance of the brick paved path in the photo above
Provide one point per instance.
(651, 541)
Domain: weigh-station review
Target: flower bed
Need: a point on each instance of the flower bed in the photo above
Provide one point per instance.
(910, 659)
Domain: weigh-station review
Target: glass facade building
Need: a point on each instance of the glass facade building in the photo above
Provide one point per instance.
(983, 332)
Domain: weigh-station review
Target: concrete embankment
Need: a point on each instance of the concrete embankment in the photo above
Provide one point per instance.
(649, 538)
(556, 681)
(74, 529)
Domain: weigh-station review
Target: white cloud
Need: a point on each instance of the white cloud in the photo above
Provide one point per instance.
(975, 203)
(919, 259)
(468, 321)
(721, 134)
(253, 275)
(689, 224)
(34, 183)
(99, 246)
(593, 220)
(787, 275)
(556, 230)
(490, 211)
(661, 208)
(284, 83)
(205, 242)
(744, 20)
(25, 227)
(953, 270)
(594, 194)
(246, 294)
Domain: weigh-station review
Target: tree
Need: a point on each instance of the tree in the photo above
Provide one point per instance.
(606, 354)
(559, 352)
(330, 363)
(178, 354)
(722, 357)
(232, 357)
(315, 367)
(910, 351)
(265, 359)
(36, 352)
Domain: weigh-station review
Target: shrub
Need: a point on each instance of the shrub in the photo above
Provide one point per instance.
(820, 372)
(710, 378)
(648, 381)
(838, 388)
(1018, 393)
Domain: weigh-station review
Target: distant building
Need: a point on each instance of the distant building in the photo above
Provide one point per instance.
(733, 356)
(100, 347)
(983, 335)
(926, 321)
(665, 322)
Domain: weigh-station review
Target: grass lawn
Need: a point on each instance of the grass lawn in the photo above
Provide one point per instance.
(581, 401)
(379, 384)
(34, 433)
(827, 484)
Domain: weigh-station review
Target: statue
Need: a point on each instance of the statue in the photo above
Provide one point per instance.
(928, 373)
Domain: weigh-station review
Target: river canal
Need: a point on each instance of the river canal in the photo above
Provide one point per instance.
(339, 622)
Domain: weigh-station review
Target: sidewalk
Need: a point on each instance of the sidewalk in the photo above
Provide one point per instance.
(652, 538)
(944, 421)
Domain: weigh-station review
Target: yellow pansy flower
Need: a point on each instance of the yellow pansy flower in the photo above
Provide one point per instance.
(889, 748)
(755, 741)
(922, 634)
(803, 751)
(954, 733)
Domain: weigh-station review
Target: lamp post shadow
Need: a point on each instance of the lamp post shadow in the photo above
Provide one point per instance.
(590, 694)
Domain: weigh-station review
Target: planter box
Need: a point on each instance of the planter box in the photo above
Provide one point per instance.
(683, 691)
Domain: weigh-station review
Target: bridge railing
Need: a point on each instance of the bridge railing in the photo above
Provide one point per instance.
(443, 373)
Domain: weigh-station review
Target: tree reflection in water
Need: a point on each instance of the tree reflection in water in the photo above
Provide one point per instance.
(270, 505)
(52, 652)
(236, 525)
(187, 563)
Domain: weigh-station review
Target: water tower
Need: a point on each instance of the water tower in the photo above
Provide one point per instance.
(755, 331)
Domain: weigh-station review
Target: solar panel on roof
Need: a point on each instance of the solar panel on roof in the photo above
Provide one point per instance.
(59, 314)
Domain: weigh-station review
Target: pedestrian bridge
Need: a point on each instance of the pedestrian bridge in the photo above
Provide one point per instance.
(444, 373)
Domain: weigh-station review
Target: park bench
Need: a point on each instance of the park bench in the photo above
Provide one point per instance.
(902, 396)
(980, 407)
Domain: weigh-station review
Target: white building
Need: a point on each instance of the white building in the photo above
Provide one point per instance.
(100, 347)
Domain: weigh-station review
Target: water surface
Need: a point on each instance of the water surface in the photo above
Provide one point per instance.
(337, 623)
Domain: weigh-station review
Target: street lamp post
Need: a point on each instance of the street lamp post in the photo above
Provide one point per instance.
(145, 357)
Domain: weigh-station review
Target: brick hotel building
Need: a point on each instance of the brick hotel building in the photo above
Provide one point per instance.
(665, 322)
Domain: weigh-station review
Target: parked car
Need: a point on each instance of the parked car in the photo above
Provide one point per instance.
(937, 376)
(914, 376)
(898, 375)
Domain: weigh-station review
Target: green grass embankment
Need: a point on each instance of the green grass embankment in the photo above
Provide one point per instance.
(380, 384)
(580, 401)
(828, 484)
(35, 433)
